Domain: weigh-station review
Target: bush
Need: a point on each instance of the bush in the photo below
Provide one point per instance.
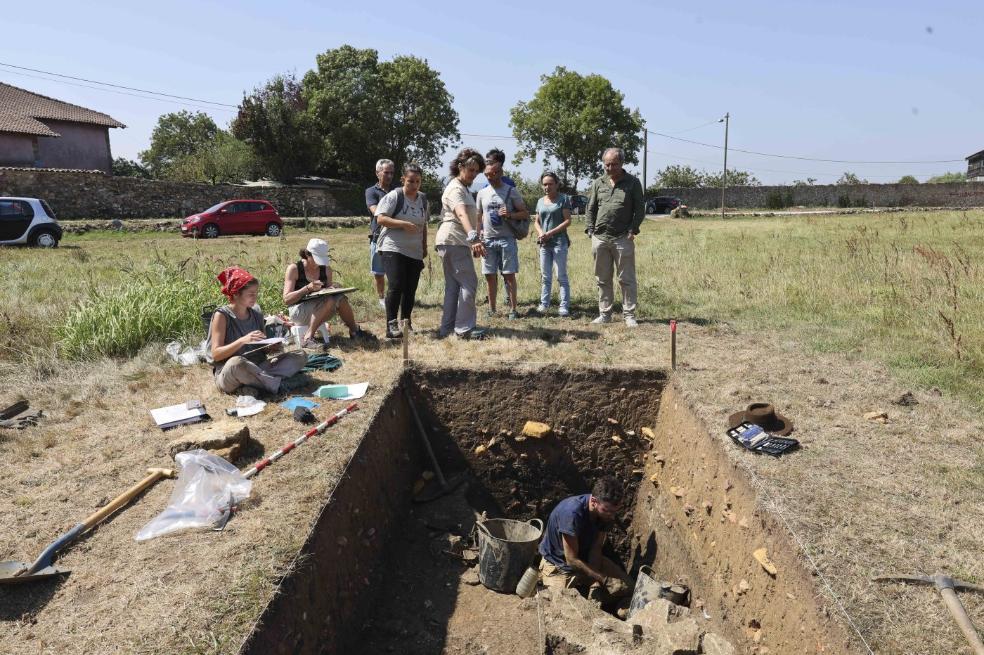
(776, 199)
(843, 201)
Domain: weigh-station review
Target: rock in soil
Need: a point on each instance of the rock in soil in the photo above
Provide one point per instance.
(713, 644)
(218, 436)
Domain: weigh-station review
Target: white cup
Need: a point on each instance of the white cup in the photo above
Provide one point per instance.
(298, 332)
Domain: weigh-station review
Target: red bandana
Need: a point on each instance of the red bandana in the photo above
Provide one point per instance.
(233, 280)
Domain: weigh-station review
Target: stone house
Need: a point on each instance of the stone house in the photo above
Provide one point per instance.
(975, 167)
(40, 132)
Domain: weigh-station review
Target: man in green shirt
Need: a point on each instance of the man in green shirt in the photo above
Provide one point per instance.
(616, 208)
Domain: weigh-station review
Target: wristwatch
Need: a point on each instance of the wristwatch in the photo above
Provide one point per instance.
(473, 236)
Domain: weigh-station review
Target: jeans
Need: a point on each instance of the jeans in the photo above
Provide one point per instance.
(550, 255)
(460, 282)
(402, 277)
(620, 255)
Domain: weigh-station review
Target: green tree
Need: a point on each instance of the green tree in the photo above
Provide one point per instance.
(224, 159)
(947, 177)
(907, 179)
(810, 181)
(364, 110)
(571, 120)
(678, 177)
(735, 178)
(123, 167)
(275, 122)
(849, 178)
(177, 135)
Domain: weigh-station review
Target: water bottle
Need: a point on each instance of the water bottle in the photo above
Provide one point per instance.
(527, 584)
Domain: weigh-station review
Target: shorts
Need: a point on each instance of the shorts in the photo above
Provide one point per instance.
(375, 261)
(301, 313)
(500, 255)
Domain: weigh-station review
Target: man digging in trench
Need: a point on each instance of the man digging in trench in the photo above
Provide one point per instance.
(573, 539)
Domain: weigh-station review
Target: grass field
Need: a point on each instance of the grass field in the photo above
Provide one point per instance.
(901, 288)
(803, 310)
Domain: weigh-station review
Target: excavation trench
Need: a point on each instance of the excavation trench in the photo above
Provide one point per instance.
(380, 573)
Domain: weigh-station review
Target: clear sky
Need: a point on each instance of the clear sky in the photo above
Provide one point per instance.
(861, 80)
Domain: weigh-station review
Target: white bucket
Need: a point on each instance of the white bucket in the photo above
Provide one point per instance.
(298, 332)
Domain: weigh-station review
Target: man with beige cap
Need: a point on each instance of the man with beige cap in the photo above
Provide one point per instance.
(312, 273)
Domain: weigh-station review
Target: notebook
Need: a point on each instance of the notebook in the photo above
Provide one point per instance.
(191, 411)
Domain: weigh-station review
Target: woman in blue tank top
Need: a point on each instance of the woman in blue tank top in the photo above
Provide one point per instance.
(553, 217)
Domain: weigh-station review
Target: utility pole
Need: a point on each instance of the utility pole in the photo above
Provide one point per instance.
(724, 177)
(645, 157)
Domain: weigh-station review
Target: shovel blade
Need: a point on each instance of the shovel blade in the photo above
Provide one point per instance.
(9, 570)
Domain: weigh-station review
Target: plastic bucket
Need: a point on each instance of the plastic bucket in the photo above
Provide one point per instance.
(505, 549)
(647, 589)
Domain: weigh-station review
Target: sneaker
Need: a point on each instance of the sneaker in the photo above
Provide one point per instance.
(491, 313)
(602, 318)
(382, 304)
(393, 330)
(294, 382)
(474, 334)
(564, 313)
(631, 322)
(542, 309)
(512, 315)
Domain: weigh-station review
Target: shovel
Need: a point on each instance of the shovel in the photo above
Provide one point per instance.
(446, 486)
(14, 572)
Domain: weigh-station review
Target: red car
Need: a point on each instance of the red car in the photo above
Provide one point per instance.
(234, 217)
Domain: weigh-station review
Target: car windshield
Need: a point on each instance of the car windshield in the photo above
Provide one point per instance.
(214, 208)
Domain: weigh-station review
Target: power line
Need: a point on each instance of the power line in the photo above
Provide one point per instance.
(831, 161)
(488, 136)
(119, 86)
(716, 120)
(122, 93)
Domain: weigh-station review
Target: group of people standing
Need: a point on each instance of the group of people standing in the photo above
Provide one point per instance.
(486, 225)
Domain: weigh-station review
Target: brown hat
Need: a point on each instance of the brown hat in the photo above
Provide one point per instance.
(765, 416)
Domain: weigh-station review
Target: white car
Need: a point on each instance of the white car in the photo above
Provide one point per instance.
(28, 221)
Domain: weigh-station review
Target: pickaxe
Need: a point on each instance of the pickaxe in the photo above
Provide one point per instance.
(947, 587)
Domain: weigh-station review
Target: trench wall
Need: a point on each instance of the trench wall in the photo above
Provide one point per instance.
(702, 516)
(956, 194)
(329, 588)
(93, 194)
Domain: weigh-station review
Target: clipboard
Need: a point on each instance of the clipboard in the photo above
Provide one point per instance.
(327, 292)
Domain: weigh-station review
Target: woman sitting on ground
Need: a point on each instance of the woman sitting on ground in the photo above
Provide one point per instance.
(402, 213)
(234, 327)
(312, 273)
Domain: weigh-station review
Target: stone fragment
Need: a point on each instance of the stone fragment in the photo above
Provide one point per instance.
(678, 491)
(536, 430)
(470, 577)
(762, 557)
(612, 421)
(219, 435)
(653, 615)
(654, 478)
(906, 400)
(630, 433)
(742, 588)
(479, 450)
(877, 416)
(714, 644)
(681, 637)
(617, 440)
(427, 476)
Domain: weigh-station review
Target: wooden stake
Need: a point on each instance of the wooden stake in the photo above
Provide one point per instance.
(405, 325)
(673, 343)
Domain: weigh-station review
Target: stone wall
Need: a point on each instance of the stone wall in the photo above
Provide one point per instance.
(95, 195)
(958, 194)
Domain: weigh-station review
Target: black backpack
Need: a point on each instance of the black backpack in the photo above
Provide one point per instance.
(401, 200)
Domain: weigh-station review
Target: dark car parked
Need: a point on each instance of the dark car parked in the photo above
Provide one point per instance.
(662, 204)
(234, 217)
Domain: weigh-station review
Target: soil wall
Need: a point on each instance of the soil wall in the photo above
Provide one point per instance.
(326, 591)
(702, 517)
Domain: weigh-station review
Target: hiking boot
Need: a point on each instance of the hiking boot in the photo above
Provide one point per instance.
(630, 322)
(602, 319)
(474, 334)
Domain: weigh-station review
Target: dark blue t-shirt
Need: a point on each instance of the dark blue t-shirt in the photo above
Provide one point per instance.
(374, 194)
(572, 517)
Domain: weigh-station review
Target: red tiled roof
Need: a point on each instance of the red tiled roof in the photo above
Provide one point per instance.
(22, 112)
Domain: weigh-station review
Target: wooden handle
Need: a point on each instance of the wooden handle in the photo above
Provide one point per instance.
(155, 474)
(960, 615)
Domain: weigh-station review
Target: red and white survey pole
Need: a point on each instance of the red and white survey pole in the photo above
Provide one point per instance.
(318, 429)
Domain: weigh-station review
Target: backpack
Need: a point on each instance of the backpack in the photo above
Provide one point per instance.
(519, 227)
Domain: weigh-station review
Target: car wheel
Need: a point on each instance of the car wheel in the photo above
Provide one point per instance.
(210, 231)
(44, 239)
(273, 230)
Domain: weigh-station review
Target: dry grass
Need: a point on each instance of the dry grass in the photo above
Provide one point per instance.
(803, 299)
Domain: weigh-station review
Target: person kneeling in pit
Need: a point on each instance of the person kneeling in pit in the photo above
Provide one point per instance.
(233, 328)
(573, 539)
(312, 273)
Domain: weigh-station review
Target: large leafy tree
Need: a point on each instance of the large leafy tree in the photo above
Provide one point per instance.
(571, 120)
(274, 121)
(177, 135)
(676, 176)
(224, 159)
(364, 110)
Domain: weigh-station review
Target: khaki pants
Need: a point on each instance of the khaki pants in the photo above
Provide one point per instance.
(239, 371)
(620, 255)
(554, 577)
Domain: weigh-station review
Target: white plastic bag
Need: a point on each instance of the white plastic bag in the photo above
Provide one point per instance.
(207, 489)
(181, 355)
